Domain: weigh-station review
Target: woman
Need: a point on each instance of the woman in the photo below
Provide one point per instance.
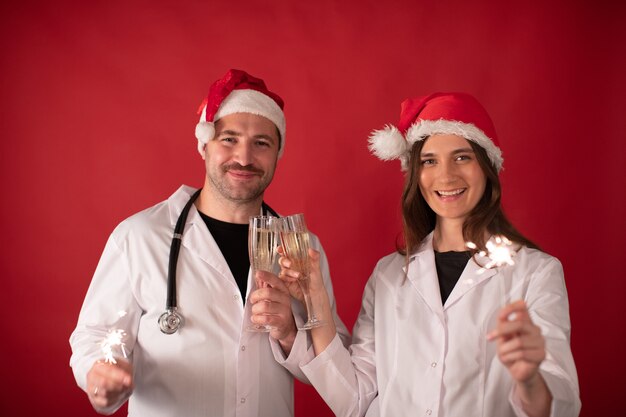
(438, 333)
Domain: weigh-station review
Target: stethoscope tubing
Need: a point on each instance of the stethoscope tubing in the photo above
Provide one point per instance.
(175, 250)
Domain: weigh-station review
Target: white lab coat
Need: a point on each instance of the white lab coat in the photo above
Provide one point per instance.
(211, 366)
(411, 356)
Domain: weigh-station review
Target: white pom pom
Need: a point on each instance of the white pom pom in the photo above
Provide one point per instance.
(387, 143)
(205, 131)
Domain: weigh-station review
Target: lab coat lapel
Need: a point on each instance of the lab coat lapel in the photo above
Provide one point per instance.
(196, 236)
(198, 240)
(471, 277)
(422, 274)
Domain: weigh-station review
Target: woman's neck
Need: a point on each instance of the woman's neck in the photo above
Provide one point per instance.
(448, 235)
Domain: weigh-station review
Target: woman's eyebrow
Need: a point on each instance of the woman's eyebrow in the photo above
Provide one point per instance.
(454, 152)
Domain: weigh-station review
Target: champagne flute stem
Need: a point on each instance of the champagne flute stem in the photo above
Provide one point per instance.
(310, 311)
(309, 307)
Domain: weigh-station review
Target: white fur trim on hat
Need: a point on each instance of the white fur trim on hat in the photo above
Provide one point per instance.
(242, 101)
(422, 129)
(387, 143)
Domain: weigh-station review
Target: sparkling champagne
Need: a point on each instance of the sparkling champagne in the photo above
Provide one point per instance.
(262, 245)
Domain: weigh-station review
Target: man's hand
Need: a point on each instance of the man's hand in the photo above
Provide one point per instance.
(271, 305)
(108, 383)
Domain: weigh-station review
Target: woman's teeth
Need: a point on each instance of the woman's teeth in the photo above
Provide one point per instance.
(450, 193)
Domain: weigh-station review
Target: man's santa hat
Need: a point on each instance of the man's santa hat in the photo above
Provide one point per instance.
(239, 92)
(439, 113)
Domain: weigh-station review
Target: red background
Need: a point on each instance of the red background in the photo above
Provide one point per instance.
(98, 112)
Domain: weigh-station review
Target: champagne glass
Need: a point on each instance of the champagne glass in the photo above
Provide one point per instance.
(262, 244)
(295, 240)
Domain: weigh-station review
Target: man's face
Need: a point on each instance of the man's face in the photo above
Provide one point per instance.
(240, 160)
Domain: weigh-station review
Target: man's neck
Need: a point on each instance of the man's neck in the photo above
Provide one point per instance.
(219, 208)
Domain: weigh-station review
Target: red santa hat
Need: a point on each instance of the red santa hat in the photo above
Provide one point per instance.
(439, 113)
(239, 92)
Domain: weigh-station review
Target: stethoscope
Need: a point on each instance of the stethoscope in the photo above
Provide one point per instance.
(171, 320)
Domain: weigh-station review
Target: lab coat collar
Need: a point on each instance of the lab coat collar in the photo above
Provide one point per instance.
(419, 272)
(177, 202)
(422, 273)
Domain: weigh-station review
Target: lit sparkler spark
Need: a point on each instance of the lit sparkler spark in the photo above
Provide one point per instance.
(113, 340)
(114, 337)
(498, 252)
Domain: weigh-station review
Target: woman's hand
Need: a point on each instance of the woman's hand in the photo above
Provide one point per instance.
(522, 348)
(290, 276)
(323, 335)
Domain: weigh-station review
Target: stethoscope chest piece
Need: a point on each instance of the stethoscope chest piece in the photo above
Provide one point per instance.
(170, 321)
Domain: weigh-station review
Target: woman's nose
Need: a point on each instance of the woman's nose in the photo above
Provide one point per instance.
(448, 171)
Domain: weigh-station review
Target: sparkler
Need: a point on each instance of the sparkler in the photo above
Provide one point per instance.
(114, 338)
(498, 252)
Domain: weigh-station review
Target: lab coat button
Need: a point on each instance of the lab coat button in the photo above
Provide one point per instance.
(429, 412)
(236, 297)
(243, 400)
(434, 364)
(243, 348)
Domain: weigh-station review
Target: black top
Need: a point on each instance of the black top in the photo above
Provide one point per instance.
(232, 239)
(450, 266)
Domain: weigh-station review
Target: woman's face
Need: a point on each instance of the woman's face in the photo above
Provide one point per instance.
(450, 179)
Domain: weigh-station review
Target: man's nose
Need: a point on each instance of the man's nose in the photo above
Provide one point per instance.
(243, 154)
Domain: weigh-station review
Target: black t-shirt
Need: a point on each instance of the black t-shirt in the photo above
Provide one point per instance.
(232, 239)
(450, 266)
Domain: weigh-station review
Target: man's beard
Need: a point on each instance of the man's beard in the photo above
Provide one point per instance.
(240, 194)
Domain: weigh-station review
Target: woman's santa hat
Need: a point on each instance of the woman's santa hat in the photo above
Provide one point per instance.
(239, 92)
(439, 113)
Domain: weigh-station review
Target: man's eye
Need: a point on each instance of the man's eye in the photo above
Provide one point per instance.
(463, 158)
(228, 139)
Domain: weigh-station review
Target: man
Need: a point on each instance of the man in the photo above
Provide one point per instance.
(210, 365)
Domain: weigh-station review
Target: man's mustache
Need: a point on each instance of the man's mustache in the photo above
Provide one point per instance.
(239, 167)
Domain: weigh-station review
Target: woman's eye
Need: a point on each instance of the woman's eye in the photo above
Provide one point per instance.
(428, 161)
(463, 158)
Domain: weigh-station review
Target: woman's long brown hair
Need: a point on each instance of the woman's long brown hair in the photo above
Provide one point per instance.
(419, 219)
